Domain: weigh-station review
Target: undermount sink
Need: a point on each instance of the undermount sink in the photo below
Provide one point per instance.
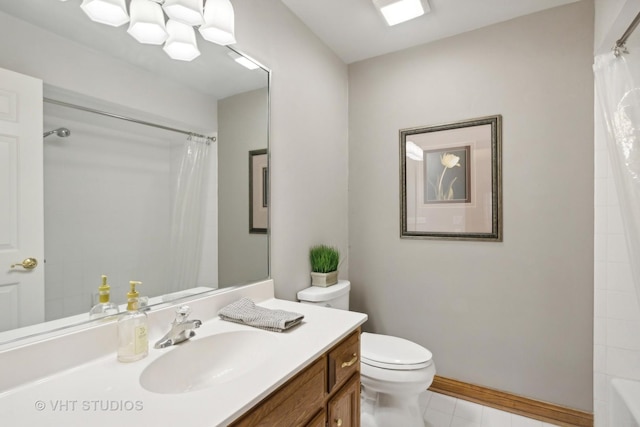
(204, 362)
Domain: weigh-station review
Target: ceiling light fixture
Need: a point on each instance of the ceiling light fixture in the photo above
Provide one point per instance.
(181, 44)
(186, 11)
(215, 21)
(397, 11)
(147, 22)
(219, 22)
(108, 12)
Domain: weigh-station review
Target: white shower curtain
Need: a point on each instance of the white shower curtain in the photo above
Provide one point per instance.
(188, 214)
(618, 90)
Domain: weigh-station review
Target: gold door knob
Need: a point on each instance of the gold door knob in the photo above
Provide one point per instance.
(27, 264)
(339, 422)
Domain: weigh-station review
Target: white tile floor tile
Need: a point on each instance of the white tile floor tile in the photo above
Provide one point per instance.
(435, 418)
(495, 418)
(461, 422)
(442, 403)
(445, 411)
(469, 411)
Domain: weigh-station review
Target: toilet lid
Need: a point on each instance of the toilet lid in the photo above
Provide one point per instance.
(384, 351)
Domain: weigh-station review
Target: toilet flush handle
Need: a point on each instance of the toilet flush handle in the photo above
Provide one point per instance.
(350, 362)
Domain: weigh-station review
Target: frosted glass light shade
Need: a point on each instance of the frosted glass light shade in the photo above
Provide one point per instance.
(181, 44)
(109, 12)
(147, 22)
(219, 22)
(186, 11)
(397, 11)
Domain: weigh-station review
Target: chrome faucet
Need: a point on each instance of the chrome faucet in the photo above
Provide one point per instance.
(181, 329)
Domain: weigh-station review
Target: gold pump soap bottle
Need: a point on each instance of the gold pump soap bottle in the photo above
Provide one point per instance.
(104, 307)
(133, 342)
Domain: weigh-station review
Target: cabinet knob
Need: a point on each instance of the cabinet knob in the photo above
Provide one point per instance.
(350, 362)
(338, 422)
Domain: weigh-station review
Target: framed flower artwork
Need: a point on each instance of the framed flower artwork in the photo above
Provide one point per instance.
(451, 180)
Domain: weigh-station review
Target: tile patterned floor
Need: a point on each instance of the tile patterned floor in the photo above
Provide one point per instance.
(445, 411)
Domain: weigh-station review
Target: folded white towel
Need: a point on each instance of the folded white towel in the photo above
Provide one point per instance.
(246, 312)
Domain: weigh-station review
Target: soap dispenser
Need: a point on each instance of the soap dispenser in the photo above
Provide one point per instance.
(133, 342)
(104, 307)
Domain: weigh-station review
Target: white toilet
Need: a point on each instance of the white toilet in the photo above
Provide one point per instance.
(394, 371)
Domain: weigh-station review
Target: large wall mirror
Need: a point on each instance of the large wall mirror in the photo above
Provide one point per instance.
(145, 166)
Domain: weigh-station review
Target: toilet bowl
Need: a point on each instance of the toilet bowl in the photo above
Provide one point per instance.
(393, 371)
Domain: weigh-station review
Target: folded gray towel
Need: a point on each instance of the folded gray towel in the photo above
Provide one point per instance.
(246, 312)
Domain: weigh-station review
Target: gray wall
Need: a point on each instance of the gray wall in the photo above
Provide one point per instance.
(242, 122)
(518, 315)
(309, 131)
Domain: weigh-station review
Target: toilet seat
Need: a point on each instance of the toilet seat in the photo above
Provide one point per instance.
(387, 352)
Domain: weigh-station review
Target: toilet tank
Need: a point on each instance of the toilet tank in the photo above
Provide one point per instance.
(335, 296)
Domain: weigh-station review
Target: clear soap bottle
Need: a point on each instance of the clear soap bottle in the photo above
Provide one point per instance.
(104, 307)
(133, 342)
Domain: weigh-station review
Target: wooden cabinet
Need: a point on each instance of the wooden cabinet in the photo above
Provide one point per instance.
(344, 406)
(326, 393)
(319, 420)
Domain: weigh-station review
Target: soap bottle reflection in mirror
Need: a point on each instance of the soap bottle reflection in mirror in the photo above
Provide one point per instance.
(104, 307)
(133, 343)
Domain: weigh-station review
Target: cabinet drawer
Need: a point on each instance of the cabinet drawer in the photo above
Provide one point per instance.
(294, 403)
(344, 360)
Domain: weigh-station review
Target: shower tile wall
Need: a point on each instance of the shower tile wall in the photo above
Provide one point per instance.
(107, 211)
(616, 311)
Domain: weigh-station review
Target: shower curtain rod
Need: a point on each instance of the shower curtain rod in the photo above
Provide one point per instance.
(129, 119)
(622, 40)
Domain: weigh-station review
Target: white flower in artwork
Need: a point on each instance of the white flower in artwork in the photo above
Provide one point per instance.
(449, 161)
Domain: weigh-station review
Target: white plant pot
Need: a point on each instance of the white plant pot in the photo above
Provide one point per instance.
(324, 279)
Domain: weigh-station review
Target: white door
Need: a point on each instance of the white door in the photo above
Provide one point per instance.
(21, 201)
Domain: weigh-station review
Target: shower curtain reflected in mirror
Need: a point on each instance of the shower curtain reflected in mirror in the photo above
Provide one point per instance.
(618, 90)
(188, 214)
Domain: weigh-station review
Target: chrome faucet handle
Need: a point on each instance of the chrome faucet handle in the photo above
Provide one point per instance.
(182, 313)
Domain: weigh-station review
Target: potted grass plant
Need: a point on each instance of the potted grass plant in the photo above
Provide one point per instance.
(324, 265)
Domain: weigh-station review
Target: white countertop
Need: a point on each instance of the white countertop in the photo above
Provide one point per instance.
(104, 392)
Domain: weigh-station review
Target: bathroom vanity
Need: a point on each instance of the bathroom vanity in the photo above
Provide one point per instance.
(227, 375)
(329, 389)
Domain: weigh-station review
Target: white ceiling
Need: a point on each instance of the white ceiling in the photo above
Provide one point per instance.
(355, 30)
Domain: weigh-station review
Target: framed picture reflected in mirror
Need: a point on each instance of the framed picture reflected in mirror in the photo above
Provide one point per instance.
(258, 191)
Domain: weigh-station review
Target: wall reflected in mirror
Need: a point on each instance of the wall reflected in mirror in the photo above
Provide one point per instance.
(111, 205)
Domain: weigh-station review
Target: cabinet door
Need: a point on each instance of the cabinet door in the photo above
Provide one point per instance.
(294, 403)
(320, 420)
(344, 406)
